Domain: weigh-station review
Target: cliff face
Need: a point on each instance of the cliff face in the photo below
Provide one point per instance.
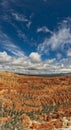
(33, 102)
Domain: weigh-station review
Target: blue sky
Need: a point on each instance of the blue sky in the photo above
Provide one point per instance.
(35, 36)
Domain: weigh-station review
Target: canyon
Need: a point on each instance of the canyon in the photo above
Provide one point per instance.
(35, 102)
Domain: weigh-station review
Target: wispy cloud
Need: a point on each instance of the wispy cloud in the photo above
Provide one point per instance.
(19, 17)
(59, 40)
(44, 29)
(14, 59)
(7, 44)
(28, 24)
(22, 35)
(22, 18)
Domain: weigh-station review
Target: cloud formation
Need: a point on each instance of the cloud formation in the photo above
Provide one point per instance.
(35, 57)
(69, 52)
(22, 18)
(4, 57)
(7, 44)
(56, 49)
(19, 17)
(33, 64)
(60, 40)
(44, 29)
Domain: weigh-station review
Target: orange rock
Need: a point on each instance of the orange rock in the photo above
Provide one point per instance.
(26, 122)
(4, 119)
(38, 94)
(58, 123)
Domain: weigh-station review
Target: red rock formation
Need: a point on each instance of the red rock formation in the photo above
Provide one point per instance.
(43, 100)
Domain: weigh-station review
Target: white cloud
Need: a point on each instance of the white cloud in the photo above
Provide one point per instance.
(4, 57)
(60, 40)
(19, 17)
(59, 56)
(13, 49)
(7, 45)
(69, 52)
(3, 36)
(44, 29)
(22, 18)
(66, 61)
(35, 57)
(28, 24)
(33, 64)
(22, 35)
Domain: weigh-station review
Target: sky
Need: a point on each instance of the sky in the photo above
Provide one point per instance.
(35, 36)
